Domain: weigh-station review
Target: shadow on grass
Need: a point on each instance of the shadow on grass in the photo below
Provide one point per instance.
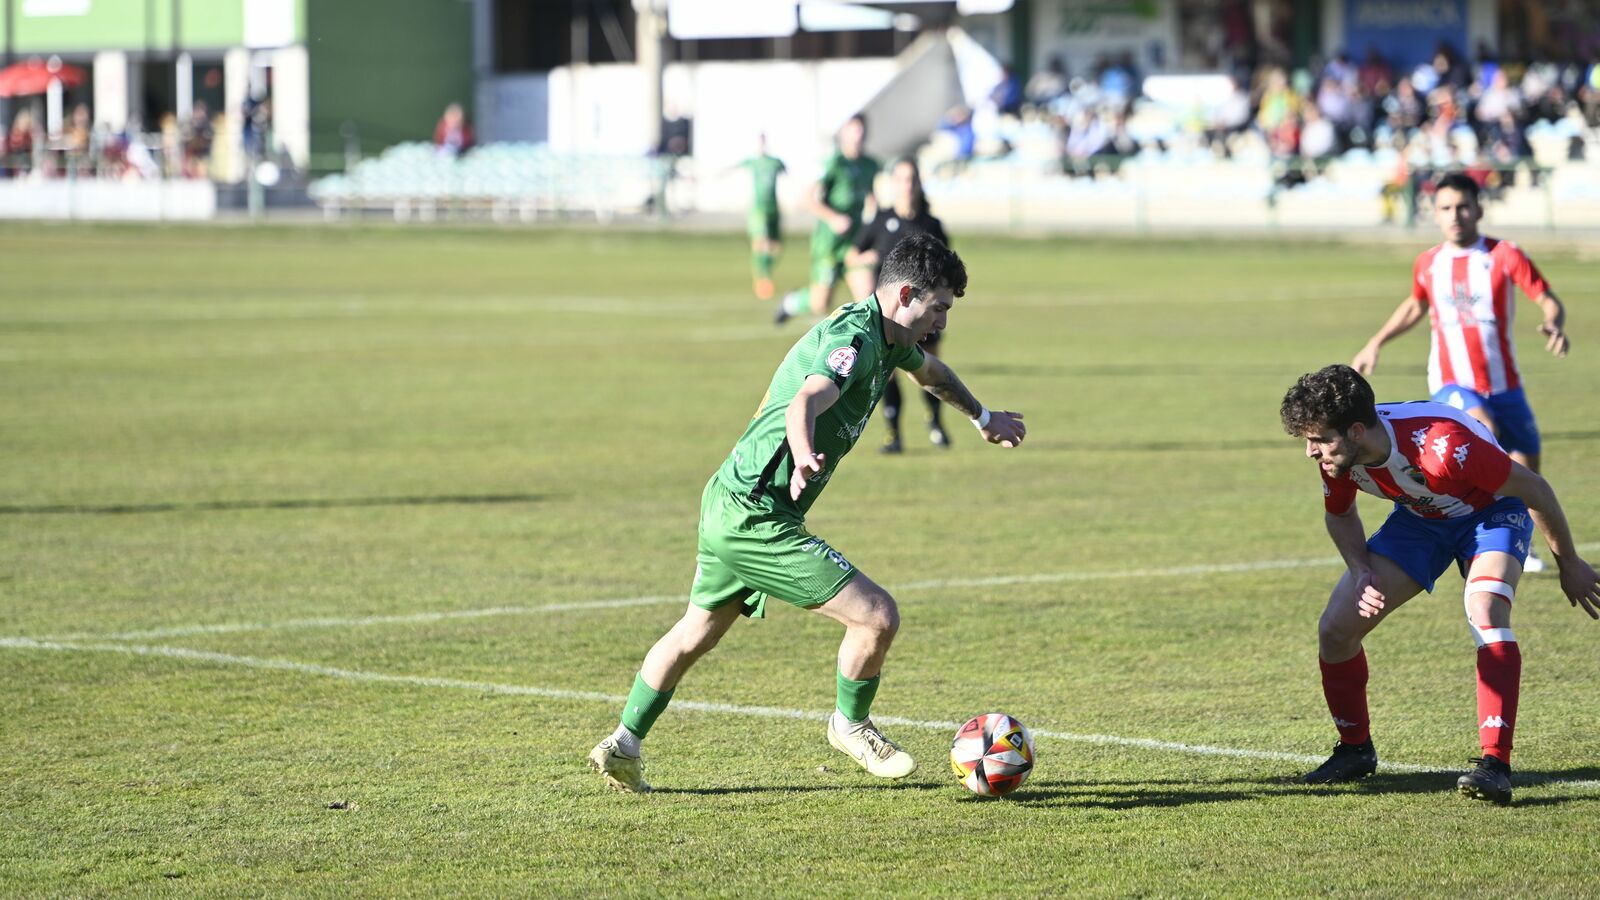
(809, 788)
(121, 509)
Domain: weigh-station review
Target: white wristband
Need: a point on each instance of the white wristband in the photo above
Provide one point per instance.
(982, 421)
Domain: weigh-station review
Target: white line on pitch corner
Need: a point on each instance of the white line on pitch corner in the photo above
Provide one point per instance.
(517, 610)
(764, 712)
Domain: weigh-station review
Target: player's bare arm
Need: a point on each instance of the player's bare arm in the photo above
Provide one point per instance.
(1350, 538)
(815, 395)
(1554, 327)
(1001, 427)
(1407, 314)
(1578, 579)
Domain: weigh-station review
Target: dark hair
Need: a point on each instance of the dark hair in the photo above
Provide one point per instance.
(919, 203)
(1335, 396)
(925, 263)
(858, 117)
(1458, 181)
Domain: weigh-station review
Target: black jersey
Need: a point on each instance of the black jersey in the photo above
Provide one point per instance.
(888, 228)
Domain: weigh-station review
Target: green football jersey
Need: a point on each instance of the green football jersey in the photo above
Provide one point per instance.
(848, 347)
(847, 182)
(764, 172)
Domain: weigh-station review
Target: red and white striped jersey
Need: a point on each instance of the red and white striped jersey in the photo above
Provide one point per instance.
(1469, 298)
(1443, 464)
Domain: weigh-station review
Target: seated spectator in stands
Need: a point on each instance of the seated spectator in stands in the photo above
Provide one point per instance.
(1319, 140)
(1048, 83)
(1404, 109)
(1497, 100)
(1089, 138)
(75, 138)
(1279, 103)
(958, 124)
(1336, 104)
(453, 135)
(1374, 77)
(20, 141)
(198, 138)
(1119, 81)
(1228, 118)
(1007, 95)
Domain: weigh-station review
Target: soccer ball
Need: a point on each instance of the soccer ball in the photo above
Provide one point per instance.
(992, 754)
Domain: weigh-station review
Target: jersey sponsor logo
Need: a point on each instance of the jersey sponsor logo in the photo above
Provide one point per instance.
(843, 360)
(1494, 722)
(1510, 520)
(1461, 299)
(852, 433)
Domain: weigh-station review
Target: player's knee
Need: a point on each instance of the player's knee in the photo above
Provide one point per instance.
(1487, 602)
(1336, 633)
(883, 616)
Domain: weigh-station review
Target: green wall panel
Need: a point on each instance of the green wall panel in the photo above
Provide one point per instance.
(389, 66)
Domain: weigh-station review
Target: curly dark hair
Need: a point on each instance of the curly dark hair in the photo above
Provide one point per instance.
(925, 263)
(1335, 396)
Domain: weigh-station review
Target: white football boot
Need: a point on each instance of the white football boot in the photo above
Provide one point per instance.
(623, 773)
(865, 744)
(1534, 563)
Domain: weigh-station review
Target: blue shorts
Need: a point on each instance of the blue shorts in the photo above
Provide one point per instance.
(1423, 548)
(1513, 419)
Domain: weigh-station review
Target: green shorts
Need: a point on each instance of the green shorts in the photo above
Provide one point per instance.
(766, 225)
(827, 255)
(747, 554)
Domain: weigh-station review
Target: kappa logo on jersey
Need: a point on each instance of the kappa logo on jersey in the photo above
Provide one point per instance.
(843, 360)
(1419, 437)
(1460, 455)
(1441, 446)
(1494, 722)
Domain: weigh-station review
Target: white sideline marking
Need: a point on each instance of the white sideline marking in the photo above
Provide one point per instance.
(765, 712)
(933, 584)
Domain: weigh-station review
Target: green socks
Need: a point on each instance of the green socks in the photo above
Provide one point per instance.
(855, 697)
(645, 704)
(763, 264)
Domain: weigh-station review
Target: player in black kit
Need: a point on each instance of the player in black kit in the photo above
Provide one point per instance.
(908, 215)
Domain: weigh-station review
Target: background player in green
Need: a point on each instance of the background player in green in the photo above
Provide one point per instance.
(753, 541)
(766, 221)
(838, 200)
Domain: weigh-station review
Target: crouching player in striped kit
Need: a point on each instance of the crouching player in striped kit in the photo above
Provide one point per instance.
(1458, 497)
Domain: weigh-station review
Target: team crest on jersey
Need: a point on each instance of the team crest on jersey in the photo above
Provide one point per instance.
(1415, 474)
(843, 360)
(892, 225)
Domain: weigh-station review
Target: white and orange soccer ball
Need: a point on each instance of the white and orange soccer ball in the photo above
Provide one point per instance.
(992, 754)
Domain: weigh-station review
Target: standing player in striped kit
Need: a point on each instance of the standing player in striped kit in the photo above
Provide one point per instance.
(1457, 497)
(1466, 286)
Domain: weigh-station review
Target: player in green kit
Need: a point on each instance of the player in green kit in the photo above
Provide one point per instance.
(766, 224)
(753, 540)
(838, 200)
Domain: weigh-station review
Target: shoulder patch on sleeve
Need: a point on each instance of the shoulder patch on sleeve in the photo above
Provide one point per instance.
(842, 361)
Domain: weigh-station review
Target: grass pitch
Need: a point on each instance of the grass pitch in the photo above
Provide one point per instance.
(325, 556)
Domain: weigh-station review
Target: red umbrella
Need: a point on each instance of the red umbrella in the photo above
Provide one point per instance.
(34, 76)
